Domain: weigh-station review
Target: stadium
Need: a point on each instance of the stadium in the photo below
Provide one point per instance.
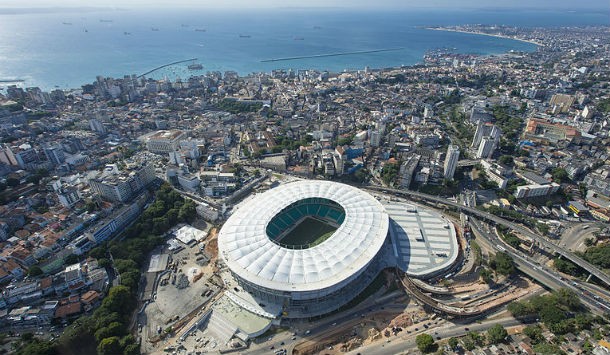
(309, 246)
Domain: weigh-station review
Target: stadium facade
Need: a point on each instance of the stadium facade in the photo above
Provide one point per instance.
(309, 246)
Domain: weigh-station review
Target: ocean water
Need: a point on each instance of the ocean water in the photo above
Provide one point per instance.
(69, 49)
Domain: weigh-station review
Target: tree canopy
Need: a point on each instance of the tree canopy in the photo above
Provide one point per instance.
(425, 343)
(503, 264)
(496, 334)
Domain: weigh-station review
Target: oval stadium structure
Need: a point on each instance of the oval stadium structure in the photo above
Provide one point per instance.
(309, 246)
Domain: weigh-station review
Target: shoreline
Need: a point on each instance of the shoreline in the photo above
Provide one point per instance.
(5, 83)
(445, 29)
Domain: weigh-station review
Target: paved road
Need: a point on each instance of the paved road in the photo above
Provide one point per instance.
(403, 343)
(544, 242)
(573, 238)
(548, 277)
(367, 309)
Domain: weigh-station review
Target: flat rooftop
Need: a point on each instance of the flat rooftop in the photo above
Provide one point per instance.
(246, 321)
(173, 134)
(424, 241)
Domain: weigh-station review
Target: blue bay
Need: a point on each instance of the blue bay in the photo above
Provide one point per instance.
(69, 49)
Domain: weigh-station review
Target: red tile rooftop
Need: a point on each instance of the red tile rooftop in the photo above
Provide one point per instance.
(46, 282)
(90, 297)
(66, 310)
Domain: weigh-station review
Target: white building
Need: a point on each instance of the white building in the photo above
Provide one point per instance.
(486, 148)
(451, 160)
(163, 142)
(536, 190)
(486, 139)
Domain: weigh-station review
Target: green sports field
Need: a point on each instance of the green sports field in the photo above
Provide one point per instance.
(309, 231)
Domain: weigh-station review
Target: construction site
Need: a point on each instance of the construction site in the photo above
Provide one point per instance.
(192, 302)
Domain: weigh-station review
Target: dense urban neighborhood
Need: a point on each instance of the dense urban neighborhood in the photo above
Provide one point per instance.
(114, 197)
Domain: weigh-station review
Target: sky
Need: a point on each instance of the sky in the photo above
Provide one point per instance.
(548, 4)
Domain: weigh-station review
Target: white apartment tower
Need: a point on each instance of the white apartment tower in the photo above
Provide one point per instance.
(451, 160)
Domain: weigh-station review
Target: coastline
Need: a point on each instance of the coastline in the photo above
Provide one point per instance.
(445, 29)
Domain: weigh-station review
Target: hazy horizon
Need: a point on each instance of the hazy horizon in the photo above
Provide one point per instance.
(353, 4)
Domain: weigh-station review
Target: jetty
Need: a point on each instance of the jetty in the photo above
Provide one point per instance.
(331, 54)
(167, 65)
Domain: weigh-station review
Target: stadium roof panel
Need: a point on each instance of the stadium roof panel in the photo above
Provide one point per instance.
(248, 251)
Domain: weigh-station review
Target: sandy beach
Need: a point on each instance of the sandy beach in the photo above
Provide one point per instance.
(484, 34)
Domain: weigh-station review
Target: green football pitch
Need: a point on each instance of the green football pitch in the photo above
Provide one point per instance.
(309, 231)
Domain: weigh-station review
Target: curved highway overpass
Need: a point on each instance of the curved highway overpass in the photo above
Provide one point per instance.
(602, 276)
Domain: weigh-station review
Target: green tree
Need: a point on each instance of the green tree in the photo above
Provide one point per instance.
(506, 160)
(568, 298)
(521, 309)
(477, 338)
(131, 279)
(548, 349)
(512, 240)
(119, 299)
(113, 329)
(504, 264)
(345, 140)
(389, 173)
(567, 267)
(35, 271)
(560, 175)
(71, 259)
(109, 346)
(453, 343)
(79, 334)
(132, 349)
(123, 265)
(103, 318)
(36, 346)
(486, 275)
(425, 343)
(534, 332)
(549, 314)
(496, 334)
(468, 343)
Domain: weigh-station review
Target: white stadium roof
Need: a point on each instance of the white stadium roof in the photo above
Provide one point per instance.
(245, 247)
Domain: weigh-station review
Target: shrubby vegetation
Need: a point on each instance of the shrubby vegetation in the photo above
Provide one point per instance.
(425, 343)
(234, 106)
(561, 312)
(389, 173)
(507, 121)
(567, 267)
(502, 263)
(108, 326)
(598, 255)
(496, 334)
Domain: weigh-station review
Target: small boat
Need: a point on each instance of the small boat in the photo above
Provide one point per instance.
(86, 30)
(108, 21)
(67, 23)
(299, 38)
(183, 25)
(200, 30)
(154, 29)
(317, 27)
(244, 36)
(126, 33)
(195, 66)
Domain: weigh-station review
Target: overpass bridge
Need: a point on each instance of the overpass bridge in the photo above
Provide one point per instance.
(413, 290)
(468, 162)
(590, 268)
